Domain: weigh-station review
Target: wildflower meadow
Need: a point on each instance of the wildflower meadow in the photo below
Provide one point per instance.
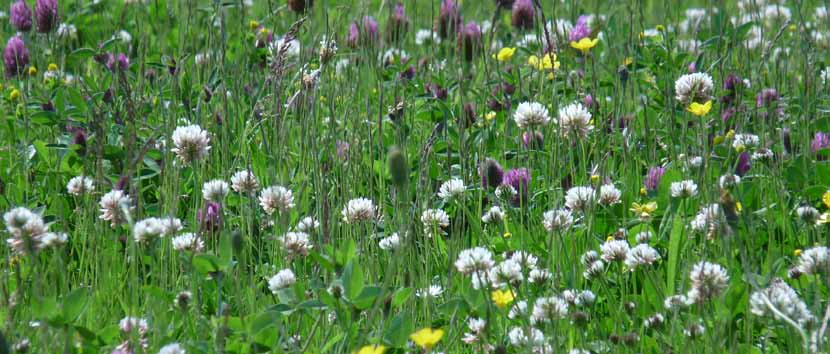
(415, 176)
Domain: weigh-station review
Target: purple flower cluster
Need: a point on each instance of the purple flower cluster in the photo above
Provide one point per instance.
(21, 16)
(580, 30)
(15, 56)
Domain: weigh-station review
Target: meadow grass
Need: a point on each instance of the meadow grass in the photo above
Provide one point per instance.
(425, 176)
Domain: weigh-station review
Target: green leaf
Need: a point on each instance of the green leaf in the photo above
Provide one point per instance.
(75, 304)
(675, 237)
(264, 320)
(353, 279)
(400, 297)
(312, 305)
(397, 334)
(367, 297)
(45, 308)
(208, 263)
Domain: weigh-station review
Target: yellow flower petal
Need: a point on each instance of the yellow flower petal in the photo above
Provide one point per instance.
(699, 109)
(371, 349)
(505, 54)
(502, 298)
(585, 44)
(427, 337)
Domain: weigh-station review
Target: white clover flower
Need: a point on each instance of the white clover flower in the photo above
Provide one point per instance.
(215, 190)
(52, 240)
(282, 280)
(763, 154)
(695, 87)
(390, 243)
(244, 182)
(814, 261)
(276, 198)
(707, 219)
(807, 213)
(296, 243)
(67, 31)
(308, 225)
(728, 181)
(494, 215)
(783, 298)
(80, 185)
(531, 115)
(434, 218)
(547, 309)
(654, 321)
(129, 323)
(506, 273)
(676, 302)
(614, 250)
(575, 120)
(520, 338)
(425, 36)
(518, 310)
(694, 331)
(172, 348)
(433, 291)
(745, 141)
(709, 280)
(539, 276)
(525, 259)
(472, 260)
(641, 255)
(147, 230)
(188, 242)
(609, 194)
(557, 220)
(123, 36)
(452, 189)
(644, 236)
(684, 189)
(357, 210)
(579, 198)
(113, 207)
(191, 143)
(476, 325)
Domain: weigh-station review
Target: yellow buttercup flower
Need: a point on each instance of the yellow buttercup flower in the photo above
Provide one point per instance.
(253, 24)
(644, 211)
(739, 207)
(490, 116)
(594, 179)
(14, 95)
(502, 298)
(730, 134)
(371, 349)
(507, 234)
(700, 109)
(52, 67)
(825, 198)
(585, 44)
(547, 62)
(427, 337)
(797, 252)
(643, 191)
(505, 54)
(32, 71)
(628, 61)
